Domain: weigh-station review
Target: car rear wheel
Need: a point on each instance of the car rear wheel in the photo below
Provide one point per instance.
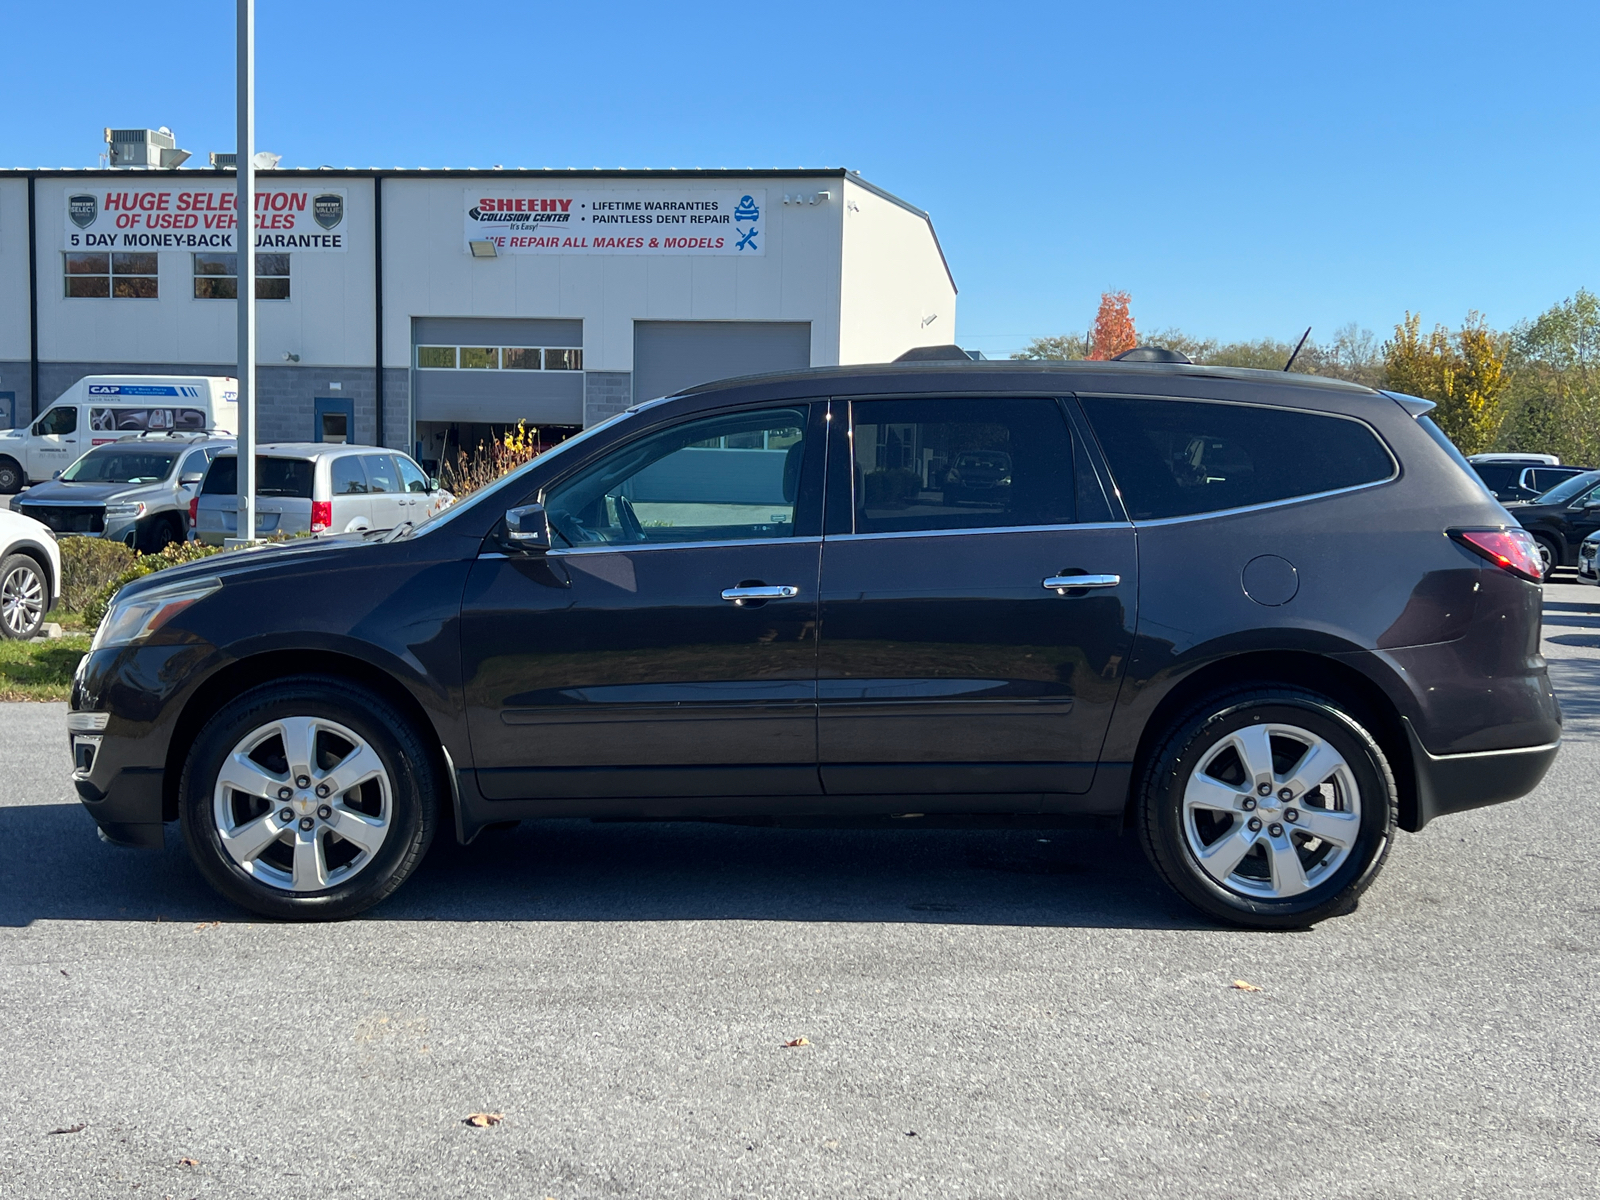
(1270, 808)
(308, 799)
(10, 477)
(24, 593)
(158, 535)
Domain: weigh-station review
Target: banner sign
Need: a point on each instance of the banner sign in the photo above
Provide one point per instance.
(669, 219)
(164, 217)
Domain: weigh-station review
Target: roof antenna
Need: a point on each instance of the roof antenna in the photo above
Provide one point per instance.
(1297, 347)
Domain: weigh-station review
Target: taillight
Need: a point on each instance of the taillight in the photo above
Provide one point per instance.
(194, 511)
(321, 515)
(1512, 550)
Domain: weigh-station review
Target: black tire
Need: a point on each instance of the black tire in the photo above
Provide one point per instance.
(10, 477)
(1550, 552)
(157, 535)
(24, 597)
(412, 811)
(1166, 834)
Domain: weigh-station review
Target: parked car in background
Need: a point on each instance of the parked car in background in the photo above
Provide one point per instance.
(104, 408)
(318, 487)
(30, 574)
(135, 491)
(1257, 619)
(1588, 552)
(1518, 478)
(979, 477)
(1561, 518)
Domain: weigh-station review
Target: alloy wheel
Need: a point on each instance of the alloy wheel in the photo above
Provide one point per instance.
(1271, 811)
(21, 601)
(302, 804)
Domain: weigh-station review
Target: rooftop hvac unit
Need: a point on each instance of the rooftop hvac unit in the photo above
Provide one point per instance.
(228, 161)
(144, 148)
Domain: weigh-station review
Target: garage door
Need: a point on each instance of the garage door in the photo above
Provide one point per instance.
(669, 356)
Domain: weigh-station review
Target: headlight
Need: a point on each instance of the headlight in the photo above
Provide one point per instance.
(123, 510)
(134, 619)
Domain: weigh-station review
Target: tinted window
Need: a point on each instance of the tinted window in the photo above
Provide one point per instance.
(58, 421)
(347, 478)
(133, 465)
(1497, 475)
(380, 473)
(726, 478)
(1174, 458)
(290, 477)
(960, 464)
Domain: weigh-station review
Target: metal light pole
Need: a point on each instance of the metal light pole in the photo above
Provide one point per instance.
(245, 247)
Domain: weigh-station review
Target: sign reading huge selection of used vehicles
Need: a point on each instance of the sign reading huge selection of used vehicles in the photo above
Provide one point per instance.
(694, 221)
(122, 217)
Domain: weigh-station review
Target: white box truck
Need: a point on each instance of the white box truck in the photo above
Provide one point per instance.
(103, 408)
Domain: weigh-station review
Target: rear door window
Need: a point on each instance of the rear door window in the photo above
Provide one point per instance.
(380, 473)
(950, 463)
(1179, 458)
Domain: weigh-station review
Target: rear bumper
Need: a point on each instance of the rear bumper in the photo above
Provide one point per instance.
(1449, 783)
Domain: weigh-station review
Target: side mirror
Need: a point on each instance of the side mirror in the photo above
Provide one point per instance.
(528, 528)
(192, 478)
(433, 484)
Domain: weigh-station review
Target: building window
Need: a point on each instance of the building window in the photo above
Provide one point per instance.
(117, 276)
(502, 358)
(216, 276)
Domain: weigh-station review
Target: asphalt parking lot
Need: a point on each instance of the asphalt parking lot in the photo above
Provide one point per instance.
(985, 1014)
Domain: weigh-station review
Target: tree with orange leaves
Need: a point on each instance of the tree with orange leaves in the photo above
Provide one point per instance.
(1113, 327)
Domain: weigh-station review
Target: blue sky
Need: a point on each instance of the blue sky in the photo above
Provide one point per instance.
(1243, 170)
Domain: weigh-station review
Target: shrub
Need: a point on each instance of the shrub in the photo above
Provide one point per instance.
(463, 474)
(87, 565)
(138, 568)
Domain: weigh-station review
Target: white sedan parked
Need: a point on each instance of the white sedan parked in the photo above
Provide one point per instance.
(30, 574)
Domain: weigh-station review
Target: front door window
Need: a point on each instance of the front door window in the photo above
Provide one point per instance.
(729, 478)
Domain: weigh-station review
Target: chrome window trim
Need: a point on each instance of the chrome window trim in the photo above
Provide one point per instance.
(636, 547)
(1251, 508)
(988, 529)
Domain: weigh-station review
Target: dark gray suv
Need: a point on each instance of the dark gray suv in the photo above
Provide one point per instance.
(1258, 620)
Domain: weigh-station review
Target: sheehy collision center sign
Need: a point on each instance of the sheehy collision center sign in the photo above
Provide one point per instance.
(141, 217)
(666, 220)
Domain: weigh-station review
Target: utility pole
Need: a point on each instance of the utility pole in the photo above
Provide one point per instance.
(245, 274)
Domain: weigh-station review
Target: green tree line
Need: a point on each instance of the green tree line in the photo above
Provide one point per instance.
(1534, 387)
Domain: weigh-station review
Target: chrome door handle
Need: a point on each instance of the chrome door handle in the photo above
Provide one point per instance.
(1062, 584)
(740, 594)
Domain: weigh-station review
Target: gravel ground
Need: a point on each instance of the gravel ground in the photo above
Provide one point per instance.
(987, 1014)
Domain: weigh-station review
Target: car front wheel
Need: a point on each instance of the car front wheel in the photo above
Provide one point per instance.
(1270, 808)
(24, 595)
(308, 799)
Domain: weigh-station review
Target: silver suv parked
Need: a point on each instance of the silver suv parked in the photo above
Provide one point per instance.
(135, 490)
(317, 487)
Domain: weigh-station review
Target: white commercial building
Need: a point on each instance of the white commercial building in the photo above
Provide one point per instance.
(411, 307)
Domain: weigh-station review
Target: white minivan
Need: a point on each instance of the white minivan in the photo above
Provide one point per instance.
(104, 408)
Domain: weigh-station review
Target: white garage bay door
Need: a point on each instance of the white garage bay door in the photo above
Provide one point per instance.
(669, 356)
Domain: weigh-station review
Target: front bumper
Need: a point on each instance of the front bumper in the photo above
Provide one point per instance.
(1587, 572)
(1449, 783)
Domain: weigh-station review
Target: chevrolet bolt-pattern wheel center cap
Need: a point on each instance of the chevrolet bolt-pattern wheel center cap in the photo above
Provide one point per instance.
(302, 804)
(1271, 811)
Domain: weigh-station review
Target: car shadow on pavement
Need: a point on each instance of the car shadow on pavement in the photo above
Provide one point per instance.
(621, 871)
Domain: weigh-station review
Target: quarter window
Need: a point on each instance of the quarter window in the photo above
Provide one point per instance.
(932, 464)
(727, 478)
(216, 276)
(1176, 458)
(117, 276)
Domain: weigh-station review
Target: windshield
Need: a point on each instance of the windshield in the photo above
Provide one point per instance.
(116, 464)
(508, 487)
(1569, 488)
